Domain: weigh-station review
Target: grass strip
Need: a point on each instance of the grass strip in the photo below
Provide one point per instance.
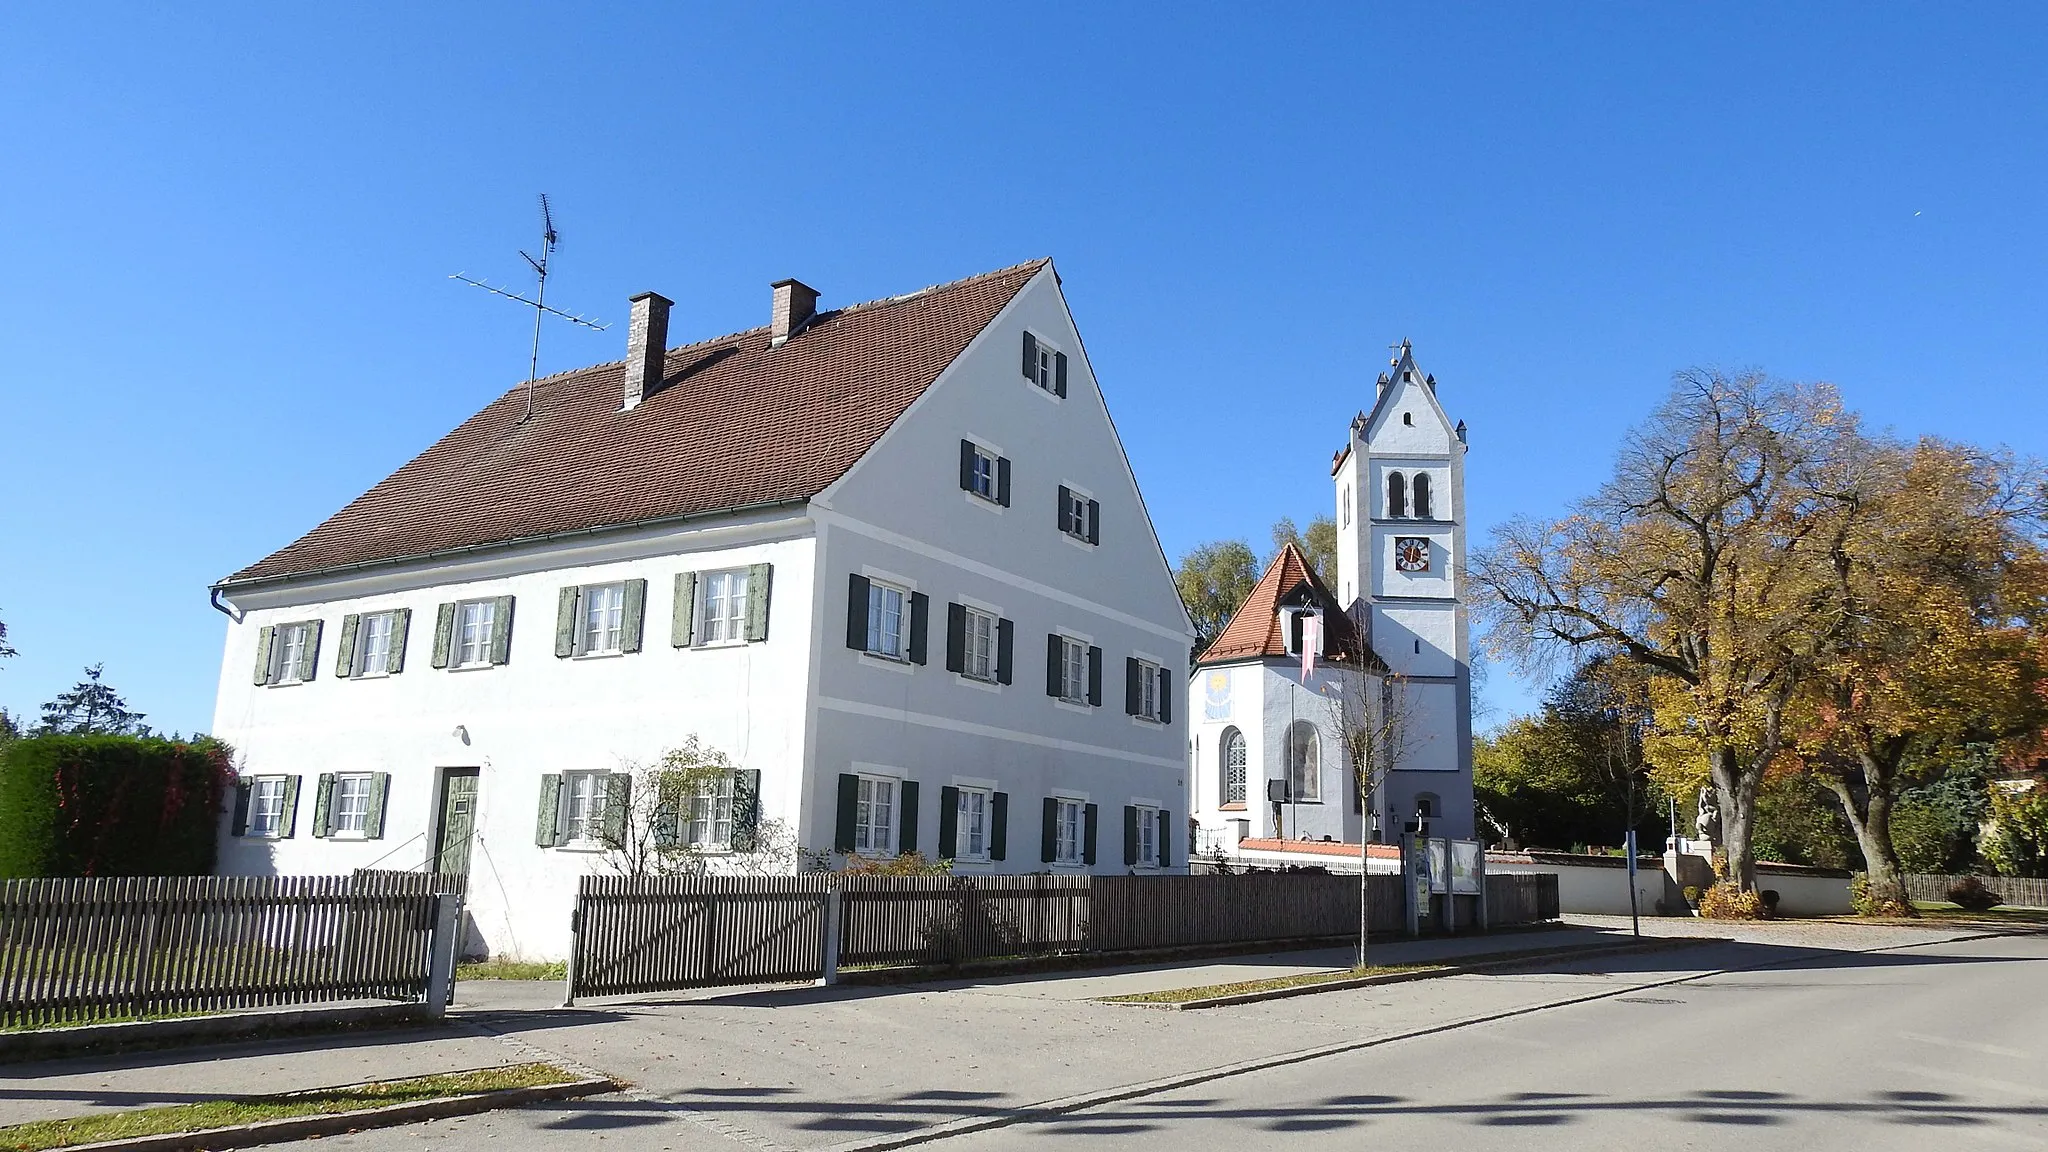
(513, 970)
(1273, 984)
(215, 1114)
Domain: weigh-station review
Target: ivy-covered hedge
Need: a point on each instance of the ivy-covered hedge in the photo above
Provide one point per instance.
(110, 805)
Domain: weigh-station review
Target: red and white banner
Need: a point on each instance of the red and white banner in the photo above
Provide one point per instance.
(1311, 643)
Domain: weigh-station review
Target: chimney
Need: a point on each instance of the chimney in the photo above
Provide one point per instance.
(795, 303)
(646, 347)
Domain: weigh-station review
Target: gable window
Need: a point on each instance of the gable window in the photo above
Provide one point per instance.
(874, 820)
(1233, 766)
(1045, 365)
(1070, 670)
(583, 802)
(971, 824)
(476, 624)
(602, 621)
(1397, 496)
(1080, 517)
(268, 797)
(1304, 763)
(710, 820)
(985, 474)
(1067, 831)
(1422, 496)
(374, 636)
(725, 607)
(1145, 690)
(885, 620)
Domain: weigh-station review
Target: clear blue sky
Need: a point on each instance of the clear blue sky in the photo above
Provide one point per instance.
(224, 309)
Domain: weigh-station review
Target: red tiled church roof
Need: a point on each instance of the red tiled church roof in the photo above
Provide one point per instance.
(735, 424)
(1255, 629)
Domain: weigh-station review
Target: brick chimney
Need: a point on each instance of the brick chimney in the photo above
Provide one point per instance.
(795, 303)
(646, 347)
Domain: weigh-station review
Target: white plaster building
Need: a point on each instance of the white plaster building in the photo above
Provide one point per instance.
(890, 558)
(1255, 724)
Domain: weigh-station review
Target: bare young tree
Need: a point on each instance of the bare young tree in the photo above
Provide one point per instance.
(1373, 716)
(685, 810)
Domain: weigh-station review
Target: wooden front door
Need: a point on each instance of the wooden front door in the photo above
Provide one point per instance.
(458, 822)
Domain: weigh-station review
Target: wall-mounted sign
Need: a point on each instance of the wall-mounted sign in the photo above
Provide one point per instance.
(1216, 694)
(1411, 553)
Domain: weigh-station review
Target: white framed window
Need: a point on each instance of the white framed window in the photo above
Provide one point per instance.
(1148, 836)
(476, 624)
(348, 814)
(981, 473)
(1048, 367)
(971, 825)
(724, 607)
(874, 817)
(288, 652)
(1234, 758)
(1304, 763)
(1073, 670)
(583, 799)
(1077, 514)
(375, 635)
(709, 825)
(979, 646)
(601, 624)
(1067, 831)
(266, 807)
(887, 635)
(1148, 690)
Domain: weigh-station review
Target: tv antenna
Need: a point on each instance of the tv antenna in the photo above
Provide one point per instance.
(548, 239)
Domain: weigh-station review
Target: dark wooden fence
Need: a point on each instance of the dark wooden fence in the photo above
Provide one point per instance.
(79, 950)
(651, 934)
(655, 933)
(2017, 891)
(1520, 898)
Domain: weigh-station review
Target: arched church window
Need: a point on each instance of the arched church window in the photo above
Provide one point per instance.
(1233, 766)
(1304, 762)
(1422, 495)
(1397, 495)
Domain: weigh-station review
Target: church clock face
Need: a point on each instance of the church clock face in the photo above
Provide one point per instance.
(1411, 554)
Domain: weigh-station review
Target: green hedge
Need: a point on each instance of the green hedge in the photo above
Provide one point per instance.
(111, 805)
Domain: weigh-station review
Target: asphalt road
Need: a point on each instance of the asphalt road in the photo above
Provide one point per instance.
(1938, 1047)
(1812, 1042)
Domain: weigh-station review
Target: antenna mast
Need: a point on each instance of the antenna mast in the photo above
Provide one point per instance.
(548, 239)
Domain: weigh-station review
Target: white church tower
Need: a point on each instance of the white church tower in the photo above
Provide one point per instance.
(1400, 484)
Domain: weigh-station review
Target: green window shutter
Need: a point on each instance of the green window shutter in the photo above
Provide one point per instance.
(1049, 834)
(618, 808)
(309, 660)
(999, 826)
(1059, 379)
(949, 823)
(633, 617)
(548, 820)
(746, 810)
(967, 465)
(565, 621)
(760, 582)
(1166, 690)
(1165, 840)
(444, 634)
(956, 637)
(380, 791)
(1134, 686)
(345, 648)
(1094, 677)
(668, 814)
(682, 617)
(323, 804)
(241, 824)
(906, 818)
(849, 812)
(1003, 481)
(1095, 521)
(289, 822)
(1088, 835)
(1130, 835)
(920, 618)
(264, 636)
(1066, 509)
(1055, 664)
(857, 612)
(401, 624)
(501, 631)
(1006, 649)
(1031, 357)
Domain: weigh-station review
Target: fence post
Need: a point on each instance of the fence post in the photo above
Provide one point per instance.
(1484, 923)
(150, 895)
(828, 952)
(442, 951)
(575, 947)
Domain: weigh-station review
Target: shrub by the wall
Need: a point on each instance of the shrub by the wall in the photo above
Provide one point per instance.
(1724, 901)
(110, 805)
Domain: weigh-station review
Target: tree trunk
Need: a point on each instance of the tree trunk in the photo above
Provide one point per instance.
(1872, 823)
(1736, 786)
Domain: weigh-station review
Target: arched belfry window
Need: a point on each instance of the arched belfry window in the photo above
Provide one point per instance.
(1422, 495)
(1233, 766)
(1397, 495)
(1304, 762)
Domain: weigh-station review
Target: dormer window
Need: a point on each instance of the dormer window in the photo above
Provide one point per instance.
(1397, 496)
(1408, 418)
(1045, 365)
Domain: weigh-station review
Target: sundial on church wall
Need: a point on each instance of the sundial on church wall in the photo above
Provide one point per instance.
(1411, 554)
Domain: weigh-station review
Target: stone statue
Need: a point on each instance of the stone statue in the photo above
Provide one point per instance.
(1708, 822)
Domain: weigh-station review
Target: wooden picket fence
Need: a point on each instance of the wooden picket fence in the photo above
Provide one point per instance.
(79, 950)
(652, 934)
(2013, 891)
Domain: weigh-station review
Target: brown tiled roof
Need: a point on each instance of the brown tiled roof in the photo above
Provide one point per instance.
(1254, 630)
(735, 424)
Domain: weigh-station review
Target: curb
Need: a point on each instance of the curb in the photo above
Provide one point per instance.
(1477, 966)
(224, 1028)
(336, 1123)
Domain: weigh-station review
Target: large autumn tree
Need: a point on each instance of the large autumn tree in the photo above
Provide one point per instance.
(1943, 641)
(1712, 559)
